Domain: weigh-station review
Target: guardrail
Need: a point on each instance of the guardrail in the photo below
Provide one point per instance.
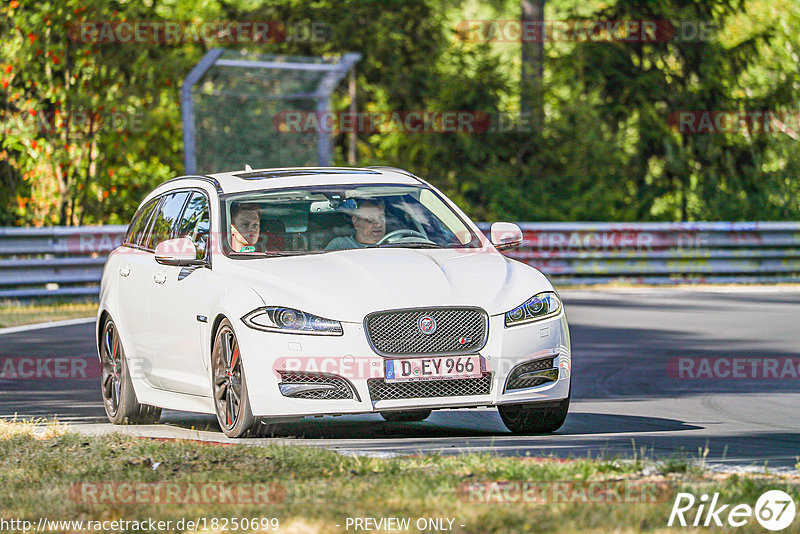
(55, 261)
(662, 253)
(68, 261)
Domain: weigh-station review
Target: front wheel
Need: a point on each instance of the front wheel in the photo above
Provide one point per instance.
(231, 399)
(534, 418)
(119, 398)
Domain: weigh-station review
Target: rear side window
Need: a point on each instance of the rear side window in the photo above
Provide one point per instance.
(195, 223)
(139, 223)
(166, 218)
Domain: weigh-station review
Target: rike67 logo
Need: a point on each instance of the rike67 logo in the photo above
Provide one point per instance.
(774, 510)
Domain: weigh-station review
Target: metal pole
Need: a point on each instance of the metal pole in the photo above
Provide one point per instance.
(187, 108)
(532, 73)
(324, 140)
(351, 154)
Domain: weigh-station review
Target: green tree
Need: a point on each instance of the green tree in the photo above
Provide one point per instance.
(637, 87)
(88, 126)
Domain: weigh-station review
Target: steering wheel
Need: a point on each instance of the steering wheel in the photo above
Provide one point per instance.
(396, 235)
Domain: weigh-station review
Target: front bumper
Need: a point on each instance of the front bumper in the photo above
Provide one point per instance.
(350, 356)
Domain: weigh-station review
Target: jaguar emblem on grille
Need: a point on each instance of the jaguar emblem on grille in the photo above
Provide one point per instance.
(426, 324)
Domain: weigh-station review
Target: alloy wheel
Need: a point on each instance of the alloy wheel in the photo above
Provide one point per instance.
(227, 378)
(111, 379)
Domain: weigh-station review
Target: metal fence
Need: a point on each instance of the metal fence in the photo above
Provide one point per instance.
(662, 253)
(55, 261)
(235, 106)
(58, 261)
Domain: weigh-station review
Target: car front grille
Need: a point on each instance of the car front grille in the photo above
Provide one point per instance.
(458, 330)
(531, 374)
(380, 389)
(341, 387)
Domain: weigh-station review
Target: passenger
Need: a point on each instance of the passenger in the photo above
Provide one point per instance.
(245, 226)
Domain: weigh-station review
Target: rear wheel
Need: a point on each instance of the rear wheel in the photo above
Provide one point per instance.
(407, 416)
(535, 418)
(119, 398)
(231, 400)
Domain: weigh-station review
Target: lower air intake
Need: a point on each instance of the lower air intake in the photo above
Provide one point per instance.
(315, 386)
(380, 389)
(532, 374)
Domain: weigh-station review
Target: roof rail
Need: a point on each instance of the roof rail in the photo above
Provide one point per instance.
(300, 171)
(394, 169)
(212, 181)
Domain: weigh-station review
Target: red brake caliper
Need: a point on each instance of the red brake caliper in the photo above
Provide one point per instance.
(114, 356)
(230, 376)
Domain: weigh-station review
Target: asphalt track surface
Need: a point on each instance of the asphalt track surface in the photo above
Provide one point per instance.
(625, 399)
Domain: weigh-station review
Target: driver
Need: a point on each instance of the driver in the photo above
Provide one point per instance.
(369, 220)
(245, 226)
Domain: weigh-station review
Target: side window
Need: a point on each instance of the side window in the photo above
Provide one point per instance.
(195, 223)
(165, 220)
(147, 227)
(139, 223)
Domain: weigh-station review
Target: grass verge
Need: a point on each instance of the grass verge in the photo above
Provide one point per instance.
(15, 313)
(48, 471)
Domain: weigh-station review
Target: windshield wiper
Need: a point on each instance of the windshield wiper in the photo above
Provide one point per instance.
(413, 244)
(274, 253)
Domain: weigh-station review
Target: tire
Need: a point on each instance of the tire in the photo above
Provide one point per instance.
(229, 386)
(406, 417)
(116, 387)
(534, 418)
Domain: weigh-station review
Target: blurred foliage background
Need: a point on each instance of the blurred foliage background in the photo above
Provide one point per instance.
(605, 149)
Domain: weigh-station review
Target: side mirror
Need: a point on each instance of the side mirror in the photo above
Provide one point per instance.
(179, 252)
(505, 235)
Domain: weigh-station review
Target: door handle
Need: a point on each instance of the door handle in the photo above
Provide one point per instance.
(124, 271)
(160, 278)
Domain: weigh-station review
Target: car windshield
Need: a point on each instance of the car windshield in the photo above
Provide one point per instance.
(330, 218)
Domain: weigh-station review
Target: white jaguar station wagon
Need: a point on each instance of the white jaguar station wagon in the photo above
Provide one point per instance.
(263, 296)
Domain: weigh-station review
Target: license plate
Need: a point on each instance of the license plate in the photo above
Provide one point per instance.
(442, 367)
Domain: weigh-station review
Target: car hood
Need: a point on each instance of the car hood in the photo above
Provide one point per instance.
(347, 285)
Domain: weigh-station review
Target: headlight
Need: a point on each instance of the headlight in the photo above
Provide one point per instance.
(538, 307)
(290, 321)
